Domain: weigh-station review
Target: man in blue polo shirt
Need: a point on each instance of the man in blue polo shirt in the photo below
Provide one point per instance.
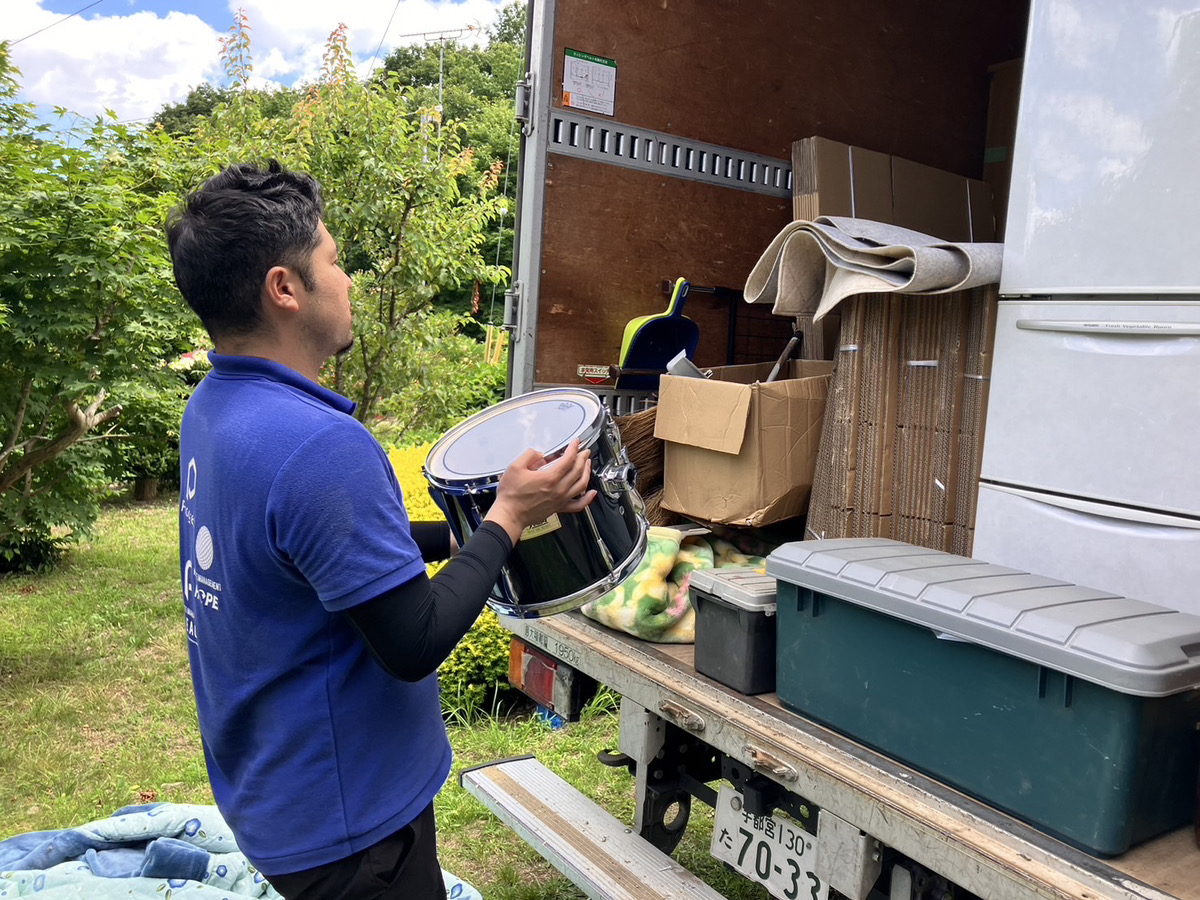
(313, 632)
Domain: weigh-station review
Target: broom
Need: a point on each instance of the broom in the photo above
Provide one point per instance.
(644, 449)
(656, 513)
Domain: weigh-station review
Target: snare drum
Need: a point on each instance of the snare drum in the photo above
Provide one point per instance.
(571, 558)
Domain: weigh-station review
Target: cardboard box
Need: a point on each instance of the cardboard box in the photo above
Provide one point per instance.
(836, 179)
(740, 451)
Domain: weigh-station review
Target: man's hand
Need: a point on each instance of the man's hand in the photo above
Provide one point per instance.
(531, 489)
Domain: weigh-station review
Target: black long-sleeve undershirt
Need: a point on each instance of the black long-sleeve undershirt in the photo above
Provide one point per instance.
(432, 539)
(412, 628)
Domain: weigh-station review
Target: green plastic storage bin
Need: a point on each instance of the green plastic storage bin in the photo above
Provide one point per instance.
(1070, 708)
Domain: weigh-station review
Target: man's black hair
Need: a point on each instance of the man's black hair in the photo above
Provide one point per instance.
(227, 235)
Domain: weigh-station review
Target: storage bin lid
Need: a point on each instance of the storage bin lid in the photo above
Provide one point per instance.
(743, 586)
(1127, 645)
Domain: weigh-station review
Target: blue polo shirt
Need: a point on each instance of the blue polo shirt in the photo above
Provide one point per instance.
(289, 514)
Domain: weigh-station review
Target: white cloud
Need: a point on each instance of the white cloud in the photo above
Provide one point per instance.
(136, 63)
(132, 64)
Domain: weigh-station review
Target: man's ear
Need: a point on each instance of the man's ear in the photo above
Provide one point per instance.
(279, 289)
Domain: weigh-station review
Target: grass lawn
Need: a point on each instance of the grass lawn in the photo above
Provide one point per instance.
(98, 713)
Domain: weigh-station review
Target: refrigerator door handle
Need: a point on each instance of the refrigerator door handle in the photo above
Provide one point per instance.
(1102, 510)
(1079, 326)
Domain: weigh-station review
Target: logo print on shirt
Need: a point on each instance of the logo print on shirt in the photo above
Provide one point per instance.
(204, 547)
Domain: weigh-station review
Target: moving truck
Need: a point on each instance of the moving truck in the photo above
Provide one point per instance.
(658, 142)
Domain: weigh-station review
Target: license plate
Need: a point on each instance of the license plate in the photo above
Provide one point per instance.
(772, 851)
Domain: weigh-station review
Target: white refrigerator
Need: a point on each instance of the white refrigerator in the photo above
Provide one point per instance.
(1091, 458)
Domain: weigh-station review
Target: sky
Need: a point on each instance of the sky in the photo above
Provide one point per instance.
(135, 56)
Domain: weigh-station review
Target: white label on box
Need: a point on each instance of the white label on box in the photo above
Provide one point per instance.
(589, 82)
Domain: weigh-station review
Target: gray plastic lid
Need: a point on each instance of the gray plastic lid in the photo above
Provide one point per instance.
(742, 586)
(1127, 645)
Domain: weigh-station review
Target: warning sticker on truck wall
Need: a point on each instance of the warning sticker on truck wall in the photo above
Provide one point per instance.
(589, 82)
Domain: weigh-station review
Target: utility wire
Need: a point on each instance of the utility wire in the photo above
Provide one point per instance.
(58, 22)
(375, 56)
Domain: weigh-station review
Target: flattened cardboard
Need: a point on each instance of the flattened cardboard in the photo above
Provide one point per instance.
(930, 200)
(738, 450)
(983, 212)
(903, 434)
(872, 188)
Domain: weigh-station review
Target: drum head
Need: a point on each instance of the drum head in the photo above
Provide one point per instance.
(482, 447)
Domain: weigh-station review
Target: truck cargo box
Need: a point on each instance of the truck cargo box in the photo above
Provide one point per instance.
(1070, 708)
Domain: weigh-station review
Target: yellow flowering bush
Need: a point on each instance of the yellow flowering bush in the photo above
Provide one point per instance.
(475, 673)
(407, 461)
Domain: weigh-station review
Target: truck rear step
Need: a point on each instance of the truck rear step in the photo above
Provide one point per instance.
(599, 854)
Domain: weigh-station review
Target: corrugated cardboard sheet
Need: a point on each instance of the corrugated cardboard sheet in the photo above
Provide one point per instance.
(903, 435)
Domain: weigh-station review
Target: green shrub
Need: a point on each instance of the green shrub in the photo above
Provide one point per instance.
(146, 441)
(474, 676)
(445, 376)
(56, 505)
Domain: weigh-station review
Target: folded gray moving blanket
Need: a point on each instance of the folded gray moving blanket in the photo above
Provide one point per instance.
(810, 267)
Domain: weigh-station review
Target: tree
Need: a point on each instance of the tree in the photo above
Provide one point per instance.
(473, 86)
(179, 119)
(510, 24)
(393, 179)
(91, 311)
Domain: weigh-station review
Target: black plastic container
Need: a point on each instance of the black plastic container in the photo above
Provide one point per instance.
(735, 627)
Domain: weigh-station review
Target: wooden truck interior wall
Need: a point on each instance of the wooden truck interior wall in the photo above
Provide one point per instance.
(906, 77)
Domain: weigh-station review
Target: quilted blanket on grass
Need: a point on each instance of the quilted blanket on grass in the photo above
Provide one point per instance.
(653, 603)
(159, 851)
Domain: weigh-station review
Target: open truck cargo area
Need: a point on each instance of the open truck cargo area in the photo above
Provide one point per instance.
(674, 722)
(903, 751)
(690, 172)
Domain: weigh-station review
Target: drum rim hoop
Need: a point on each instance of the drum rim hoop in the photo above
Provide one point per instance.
(483, 480)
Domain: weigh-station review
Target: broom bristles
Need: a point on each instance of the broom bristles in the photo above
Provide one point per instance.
(657, 514)
(644, 449)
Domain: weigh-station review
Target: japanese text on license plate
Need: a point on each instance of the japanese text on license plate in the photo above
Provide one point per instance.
(772, 851)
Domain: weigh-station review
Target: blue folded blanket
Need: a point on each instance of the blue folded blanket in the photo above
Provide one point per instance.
(154, 851)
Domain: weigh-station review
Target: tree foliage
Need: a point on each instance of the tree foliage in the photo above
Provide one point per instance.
(393, 179)
(179, 119)
(91, 311)
(473, 88)
(91, 321)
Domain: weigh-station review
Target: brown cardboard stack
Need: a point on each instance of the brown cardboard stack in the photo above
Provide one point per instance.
(854, 459)
(924, 474)
(900, 450)
(981, 335)
(836, 179)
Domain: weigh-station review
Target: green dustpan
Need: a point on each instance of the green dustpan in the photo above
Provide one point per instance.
(650, 342)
